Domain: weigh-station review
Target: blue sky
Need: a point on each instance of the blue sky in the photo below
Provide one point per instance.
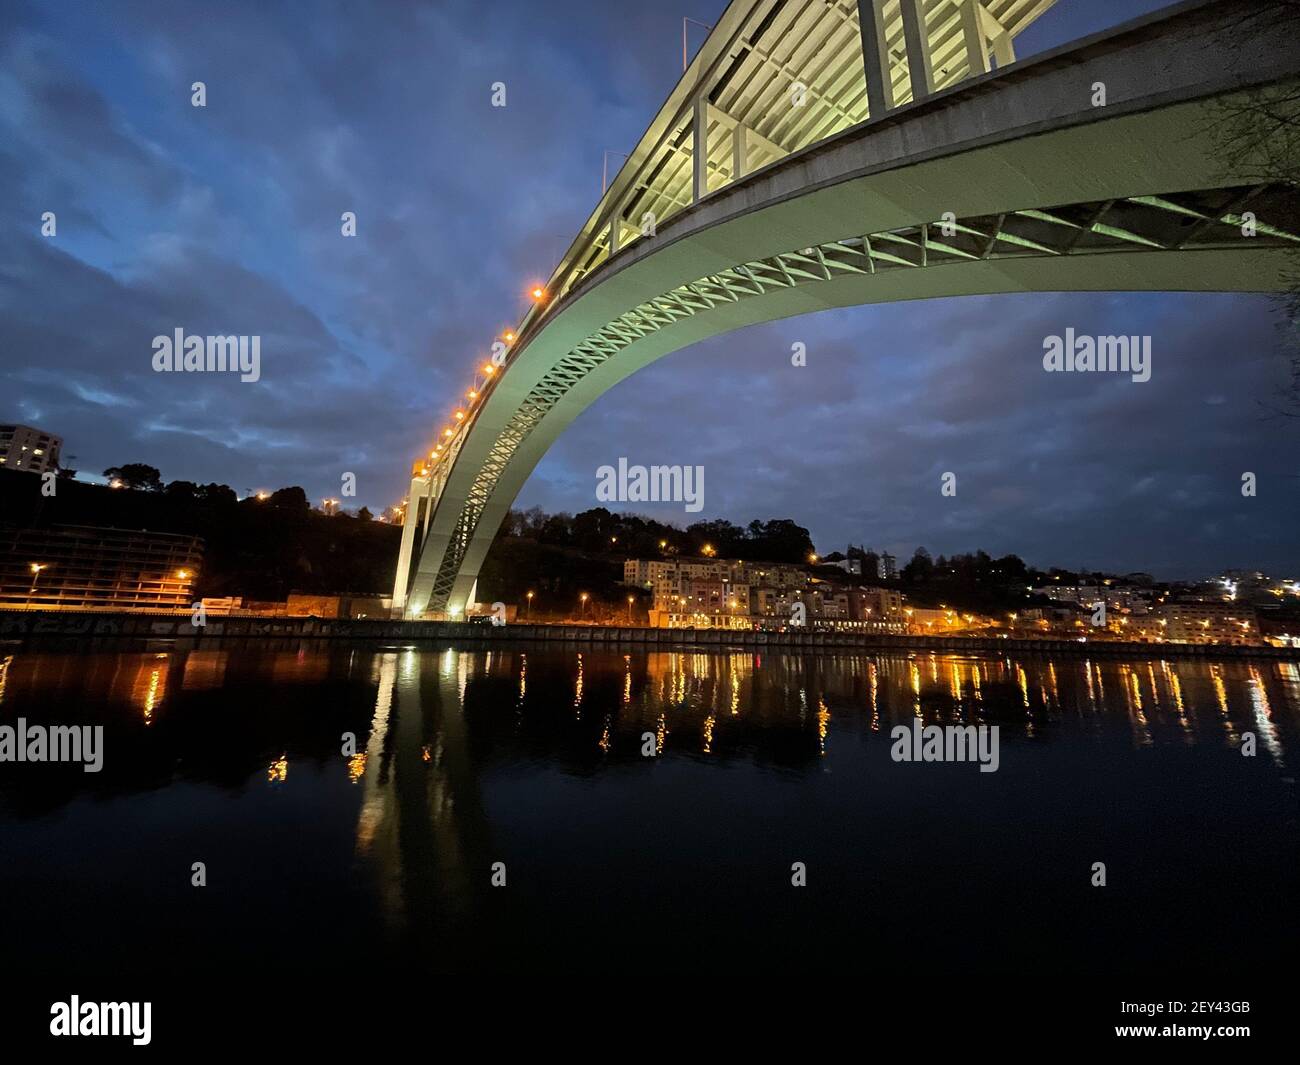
(225, 219)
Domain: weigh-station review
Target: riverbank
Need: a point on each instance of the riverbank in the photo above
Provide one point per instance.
(28, 626)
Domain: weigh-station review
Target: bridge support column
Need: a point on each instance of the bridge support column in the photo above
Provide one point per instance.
(875, 57)
(700, 159)
(977, 53)
(419, 503)
(739, 150)
(917, 38)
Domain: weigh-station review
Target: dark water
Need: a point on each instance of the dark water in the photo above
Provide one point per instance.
(343, 868)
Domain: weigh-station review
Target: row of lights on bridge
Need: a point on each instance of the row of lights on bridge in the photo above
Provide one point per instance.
(538, 294)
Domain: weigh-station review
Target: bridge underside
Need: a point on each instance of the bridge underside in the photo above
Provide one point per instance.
(1173, 242)
(1129, 198)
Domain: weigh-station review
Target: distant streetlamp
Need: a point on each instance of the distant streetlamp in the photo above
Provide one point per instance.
(36, 576)
(629, 609)
(528, 609)
(582, 610)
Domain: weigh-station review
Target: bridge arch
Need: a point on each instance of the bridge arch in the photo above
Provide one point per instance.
(1008, 183)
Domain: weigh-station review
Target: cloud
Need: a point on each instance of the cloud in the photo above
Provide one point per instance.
(226, 220)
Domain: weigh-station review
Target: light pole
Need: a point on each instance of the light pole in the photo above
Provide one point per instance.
(528, 608)
(629, 611)
(36, 576)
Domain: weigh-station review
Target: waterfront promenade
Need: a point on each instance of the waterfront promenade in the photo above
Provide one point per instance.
(36, 625)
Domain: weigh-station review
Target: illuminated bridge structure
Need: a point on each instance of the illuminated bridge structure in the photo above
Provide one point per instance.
(802, 163)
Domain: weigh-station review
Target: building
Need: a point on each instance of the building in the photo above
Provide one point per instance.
(1196, 621)
(28, 449)
(1119, 596)
(887, 567)
(61, 566)
(876, 604)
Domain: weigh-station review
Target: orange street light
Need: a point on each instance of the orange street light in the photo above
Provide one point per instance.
(36, 576)
(538, 293)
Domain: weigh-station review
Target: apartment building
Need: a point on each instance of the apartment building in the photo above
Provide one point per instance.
(60, 566)
(32, 450)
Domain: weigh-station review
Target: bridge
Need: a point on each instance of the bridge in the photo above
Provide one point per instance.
(829, 153)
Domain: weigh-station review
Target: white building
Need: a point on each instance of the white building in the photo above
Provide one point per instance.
(28, 449)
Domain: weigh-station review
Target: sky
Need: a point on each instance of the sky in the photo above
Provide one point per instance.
(226, 220)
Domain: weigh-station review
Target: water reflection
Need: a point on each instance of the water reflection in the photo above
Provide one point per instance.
(694, 703)
(460, 757)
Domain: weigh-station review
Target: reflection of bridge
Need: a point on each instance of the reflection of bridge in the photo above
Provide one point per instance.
(841, 168)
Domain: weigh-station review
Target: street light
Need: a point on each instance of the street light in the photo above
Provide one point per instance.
(629, 609)
(582, 610)
(528, 610)
(36, 576)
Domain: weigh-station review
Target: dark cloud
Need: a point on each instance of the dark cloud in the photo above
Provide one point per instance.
(226, 220)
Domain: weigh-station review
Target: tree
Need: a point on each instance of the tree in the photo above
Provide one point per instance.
(779, 540)
(920, 569)
(135, 475)
(294, 499)
(364, 514)
(219, 494)
(1262, 125)
(557, 529)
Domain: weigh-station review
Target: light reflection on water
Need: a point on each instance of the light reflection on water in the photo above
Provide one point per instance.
(536, 757)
